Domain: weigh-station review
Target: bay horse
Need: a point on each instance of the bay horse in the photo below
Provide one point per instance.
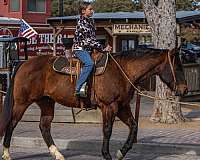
(36, 81)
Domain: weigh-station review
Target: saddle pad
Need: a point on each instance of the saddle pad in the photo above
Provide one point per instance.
(62, 65)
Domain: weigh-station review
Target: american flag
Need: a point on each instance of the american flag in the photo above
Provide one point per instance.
(26, 30)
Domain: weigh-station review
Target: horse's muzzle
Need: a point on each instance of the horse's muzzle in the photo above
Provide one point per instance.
(181, 92)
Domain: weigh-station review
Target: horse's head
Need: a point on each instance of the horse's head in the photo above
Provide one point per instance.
(171, 72)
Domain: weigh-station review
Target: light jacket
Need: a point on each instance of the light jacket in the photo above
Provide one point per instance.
(85, 36)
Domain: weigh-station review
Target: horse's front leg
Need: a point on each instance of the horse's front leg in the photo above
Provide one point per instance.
(108, 113)
(125, 115)
(47, 114)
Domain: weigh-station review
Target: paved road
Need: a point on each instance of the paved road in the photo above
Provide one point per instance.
(186, 133)
(83, 141)
(38, 154)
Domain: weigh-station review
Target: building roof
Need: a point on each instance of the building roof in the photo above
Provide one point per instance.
(6, 20)
(181, 15)
(185, 16)
(14, 21)
(13, 39)
(108, 15)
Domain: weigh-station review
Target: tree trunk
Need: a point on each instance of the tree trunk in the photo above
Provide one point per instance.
(60, 7)
(161, 16)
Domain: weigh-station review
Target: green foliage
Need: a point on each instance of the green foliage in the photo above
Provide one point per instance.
(54, 6)
(113, 5)
(183, 5)
(70, 7)
(191, 34)
(103, 6)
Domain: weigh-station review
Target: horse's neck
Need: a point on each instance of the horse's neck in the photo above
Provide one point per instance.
(142, 67)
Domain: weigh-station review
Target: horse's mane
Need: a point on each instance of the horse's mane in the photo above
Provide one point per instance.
(140, 52)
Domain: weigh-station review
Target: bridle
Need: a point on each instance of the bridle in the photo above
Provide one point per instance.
(171, 63)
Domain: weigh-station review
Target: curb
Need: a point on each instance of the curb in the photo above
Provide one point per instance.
(95, 145)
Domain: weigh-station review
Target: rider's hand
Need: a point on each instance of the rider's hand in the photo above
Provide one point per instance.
(108, 48)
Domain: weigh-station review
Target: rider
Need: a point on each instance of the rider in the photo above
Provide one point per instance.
(84, 42)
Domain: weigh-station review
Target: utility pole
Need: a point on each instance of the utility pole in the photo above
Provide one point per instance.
(60, 7)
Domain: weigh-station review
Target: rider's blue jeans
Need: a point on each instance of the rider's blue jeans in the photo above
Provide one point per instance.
(88, 65)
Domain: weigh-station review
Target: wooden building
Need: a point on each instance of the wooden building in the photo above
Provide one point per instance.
(123, 30)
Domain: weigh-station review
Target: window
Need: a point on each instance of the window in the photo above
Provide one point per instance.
(36, 5)
(14, 5)
(128, 45)
(145, 40)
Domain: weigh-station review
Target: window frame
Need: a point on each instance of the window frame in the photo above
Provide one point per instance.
(45, 7)
(126, 45)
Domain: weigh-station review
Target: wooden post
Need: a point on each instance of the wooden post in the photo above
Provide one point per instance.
(1, 102)
(1, 97)
(55, 35)
(137, 110)
(114, 44)
(54, 41)
(60, 8)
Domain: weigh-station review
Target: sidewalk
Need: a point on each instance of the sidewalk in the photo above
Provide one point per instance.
(186, 133)
(148, 132)
(174, 142)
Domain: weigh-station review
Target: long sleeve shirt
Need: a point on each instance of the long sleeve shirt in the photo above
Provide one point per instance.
(85, 35)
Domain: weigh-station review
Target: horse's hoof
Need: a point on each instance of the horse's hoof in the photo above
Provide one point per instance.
(60, 158)
(6, 157)
(6, 154)
(119, 155)
(55, 153)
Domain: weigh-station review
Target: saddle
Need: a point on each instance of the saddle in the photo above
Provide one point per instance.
(72, 65)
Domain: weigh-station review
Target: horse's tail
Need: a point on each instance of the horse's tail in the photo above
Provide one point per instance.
(8, 103)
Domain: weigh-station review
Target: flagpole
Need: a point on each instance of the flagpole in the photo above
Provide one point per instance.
(54, 41)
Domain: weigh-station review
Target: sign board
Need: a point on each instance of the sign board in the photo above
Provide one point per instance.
(131, 28)
(42, 44)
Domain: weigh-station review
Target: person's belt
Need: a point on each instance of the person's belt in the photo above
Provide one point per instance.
(78, 48)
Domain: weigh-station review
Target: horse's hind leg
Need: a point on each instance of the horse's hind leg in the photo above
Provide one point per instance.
(108, 113)
(17, 113)
(46, 105)
(125, 115)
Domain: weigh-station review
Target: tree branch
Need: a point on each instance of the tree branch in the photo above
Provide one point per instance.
(148, 5)
(150, 10)
(156, 2)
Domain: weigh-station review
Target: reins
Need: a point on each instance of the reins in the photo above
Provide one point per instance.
(172, 68)
(146, 95)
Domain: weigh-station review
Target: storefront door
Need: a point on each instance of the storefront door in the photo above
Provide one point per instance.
(126, 43)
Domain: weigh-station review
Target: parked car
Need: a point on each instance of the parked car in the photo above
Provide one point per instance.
(190, 52)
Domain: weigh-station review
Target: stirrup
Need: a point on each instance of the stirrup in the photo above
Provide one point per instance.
(86, 109)
(83, 90)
